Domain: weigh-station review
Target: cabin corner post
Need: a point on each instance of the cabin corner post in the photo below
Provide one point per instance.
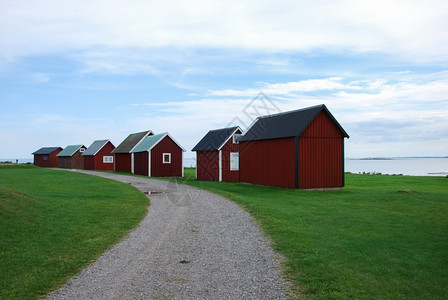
(343, 162)
(149, 163)
(239, 162)
(220, 165)
(132, 163)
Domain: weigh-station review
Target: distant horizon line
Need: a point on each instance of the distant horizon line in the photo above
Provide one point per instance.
(392, 157)
(350, 158)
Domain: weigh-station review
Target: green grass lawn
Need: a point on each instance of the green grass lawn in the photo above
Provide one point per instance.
(53, 223)
(381, 237)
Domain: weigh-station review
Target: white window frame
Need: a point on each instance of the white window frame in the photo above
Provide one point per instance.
(236, 135)
(234, 167)
(82, 150)
(169, 158)
(108, 159)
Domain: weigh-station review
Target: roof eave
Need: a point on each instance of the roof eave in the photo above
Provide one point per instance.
(344, 133)
(102, 146)
(147, 134)
(173, 139)
(228, 138)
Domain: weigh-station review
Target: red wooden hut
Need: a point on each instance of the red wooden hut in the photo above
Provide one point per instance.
(297, 149)
(159, 155)
(123, 155)
(71, 157)
(47, 157)
(217, 155)
(99, 156)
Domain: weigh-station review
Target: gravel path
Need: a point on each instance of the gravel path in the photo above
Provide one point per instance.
(191, 245)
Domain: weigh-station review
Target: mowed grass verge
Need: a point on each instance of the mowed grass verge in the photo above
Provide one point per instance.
(381, 237)
(53, 223)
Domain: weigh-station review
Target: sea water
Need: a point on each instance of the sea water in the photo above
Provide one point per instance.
(404, 166)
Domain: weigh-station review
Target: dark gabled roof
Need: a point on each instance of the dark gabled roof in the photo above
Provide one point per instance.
(95, 147)
(215, 139)
(46, 150)
(131, 141)
(286, 124)
(70, 150)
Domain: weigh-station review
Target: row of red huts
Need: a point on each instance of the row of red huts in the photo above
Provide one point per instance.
(142, 153)
(297, 149)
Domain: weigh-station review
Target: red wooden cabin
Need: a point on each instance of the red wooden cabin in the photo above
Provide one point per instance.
(217, 155)
(47, 157)
(297, 149)
(159, 155)
(99, 156)
(123, 155)
(71, 157)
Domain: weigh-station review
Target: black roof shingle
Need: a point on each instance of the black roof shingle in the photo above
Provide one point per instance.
(46, 150)
(286, 124)
(214, 139)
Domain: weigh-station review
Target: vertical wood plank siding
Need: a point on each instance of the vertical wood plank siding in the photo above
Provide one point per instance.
(268, 162)
(141, 163)
(227, 174)
(40, 162)
(52, 160)
(123, 162)
(321, 155)
(76, 161)
(173, 169)
(207, 165)
(105, 151)
(89, 162)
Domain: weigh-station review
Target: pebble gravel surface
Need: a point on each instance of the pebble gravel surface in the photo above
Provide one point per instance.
(191, 245)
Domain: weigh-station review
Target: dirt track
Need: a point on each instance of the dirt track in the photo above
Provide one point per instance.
(191, 245)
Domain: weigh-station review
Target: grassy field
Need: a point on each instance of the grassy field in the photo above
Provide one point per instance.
(381, 237)
(53, 223)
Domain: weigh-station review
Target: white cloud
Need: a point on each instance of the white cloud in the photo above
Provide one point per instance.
(372, 112)
(41, 77)
(411, 29)
(289, 88)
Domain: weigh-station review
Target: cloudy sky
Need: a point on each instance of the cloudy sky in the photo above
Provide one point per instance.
(72, 72)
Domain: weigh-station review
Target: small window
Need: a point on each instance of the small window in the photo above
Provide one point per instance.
(82, 150)
(108, 159)
(236, 136)
(166, 158)
(234, 161)
(45, 157)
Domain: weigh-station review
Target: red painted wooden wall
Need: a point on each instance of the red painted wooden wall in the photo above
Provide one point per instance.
(173, 169)
(320, 164)
(321, 155)
(141, 163)
(52, 160)
(268, 162)
(207, 165)
(89, 162)
(105, 151)
(76, 161)
(227, 174)
(123, 162)
(40, 161)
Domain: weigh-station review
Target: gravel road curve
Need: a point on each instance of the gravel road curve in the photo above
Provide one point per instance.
(191, 245)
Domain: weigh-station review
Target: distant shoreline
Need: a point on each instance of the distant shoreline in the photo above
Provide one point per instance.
(397, 157)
